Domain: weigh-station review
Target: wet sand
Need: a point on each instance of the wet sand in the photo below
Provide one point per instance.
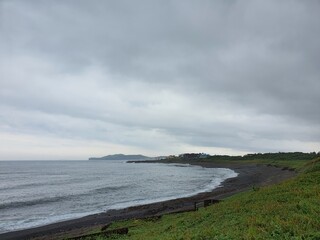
(249, 176)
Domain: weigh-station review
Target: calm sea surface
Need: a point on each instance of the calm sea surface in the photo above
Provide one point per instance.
(34, 193)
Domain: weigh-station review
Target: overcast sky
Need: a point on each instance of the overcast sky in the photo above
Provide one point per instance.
(82, 78)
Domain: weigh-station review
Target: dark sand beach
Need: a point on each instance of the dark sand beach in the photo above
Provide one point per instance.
(249, 176)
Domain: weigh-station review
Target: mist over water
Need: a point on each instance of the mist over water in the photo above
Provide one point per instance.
(34, 193)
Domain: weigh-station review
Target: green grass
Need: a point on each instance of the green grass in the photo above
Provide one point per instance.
(290, 210)
(293, 160)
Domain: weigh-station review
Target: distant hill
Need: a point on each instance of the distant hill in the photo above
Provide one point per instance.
(122, 157)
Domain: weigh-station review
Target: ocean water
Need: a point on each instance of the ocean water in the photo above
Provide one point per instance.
(35, 193)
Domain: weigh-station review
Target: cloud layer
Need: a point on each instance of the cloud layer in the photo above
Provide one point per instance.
(87, 78)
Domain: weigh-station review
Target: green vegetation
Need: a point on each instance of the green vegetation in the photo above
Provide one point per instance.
(290, 160)
(289, 210)
(294, 160)
(290, 156)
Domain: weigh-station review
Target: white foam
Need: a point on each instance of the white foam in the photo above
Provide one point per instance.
(220, 175)
(224, 173)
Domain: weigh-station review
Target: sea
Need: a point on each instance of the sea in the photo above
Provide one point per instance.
(36, 193)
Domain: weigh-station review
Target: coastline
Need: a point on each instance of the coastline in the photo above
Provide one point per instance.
(248, 176)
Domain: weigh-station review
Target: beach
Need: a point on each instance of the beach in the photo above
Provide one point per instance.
(249, 176)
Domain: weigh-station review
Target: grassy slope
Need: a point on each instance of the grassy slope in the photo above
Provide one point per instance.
(295, 160)
(290, 210)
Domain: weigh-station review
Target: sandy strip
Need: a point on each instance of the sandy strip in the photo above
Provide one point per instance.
(249, 176)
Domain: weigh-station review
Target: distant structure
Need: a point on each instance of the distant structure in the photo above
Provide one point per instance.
(170, 157)
(189, 156)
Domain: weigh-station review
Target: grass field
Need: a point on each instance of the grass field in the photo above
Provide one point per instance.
(290, 210)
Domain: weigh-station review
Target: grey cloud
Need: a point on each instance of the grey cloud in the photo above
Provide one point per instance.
(222, 74)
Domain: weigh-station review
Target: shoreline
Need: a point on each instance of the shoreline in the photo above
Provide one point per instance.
(248, 176)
